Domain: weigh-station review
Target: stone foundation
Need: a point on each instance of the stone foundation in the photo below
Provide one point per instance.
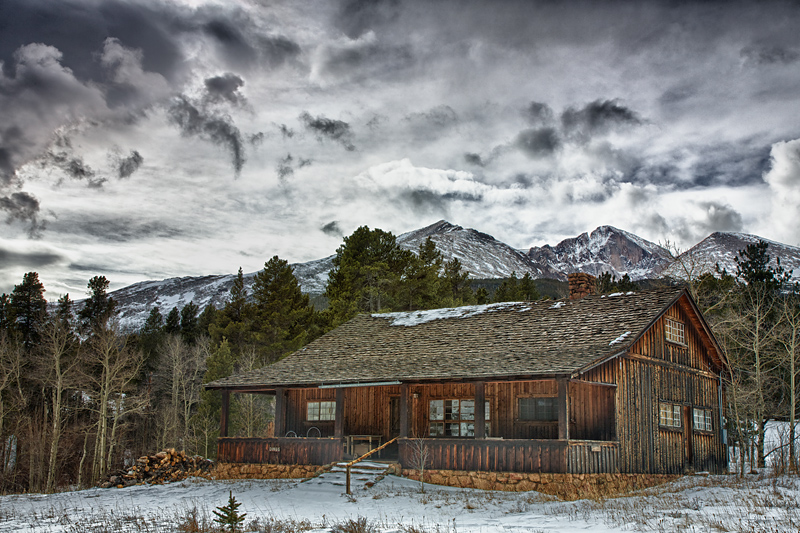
(263, 471)
(566, 486)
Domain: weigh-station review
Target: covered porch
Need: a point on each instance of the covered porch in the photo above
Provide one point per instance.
(556, 425)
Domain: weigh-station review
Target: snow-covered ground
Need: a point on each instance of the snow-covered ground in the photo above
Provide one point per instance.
(697, 503)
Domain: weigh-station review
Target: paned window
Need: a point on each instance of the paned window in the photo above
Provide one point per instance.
(455, 418)
(702, 420)
(675, 331)
(670, 415)
(538, 409)
(321, 411)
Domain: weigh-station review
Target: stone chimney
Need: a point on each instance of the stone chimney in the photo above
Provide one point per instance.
(580, 285)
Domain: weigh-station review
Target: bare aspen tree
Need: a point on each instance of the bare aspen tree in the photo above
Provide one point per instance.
(56, 364)
(114, 367)
(11, 363)
(252, 411)
(788, 338)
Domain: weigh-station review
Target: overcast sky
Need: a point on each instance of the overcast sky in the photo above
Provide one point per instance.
(151, 139)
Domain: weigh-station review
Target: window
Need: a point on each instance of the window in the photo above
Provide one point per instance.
(538, 409)
(670, 415)
(675, 331)
(702, 420)
(455, 418)
(321, 411)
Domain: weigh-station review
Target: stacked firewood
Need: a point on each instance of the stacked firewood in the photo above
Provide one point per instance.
(163, 467)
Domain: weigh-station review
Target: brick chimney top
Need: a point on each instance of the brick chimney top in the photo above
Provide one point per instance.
(580, 285)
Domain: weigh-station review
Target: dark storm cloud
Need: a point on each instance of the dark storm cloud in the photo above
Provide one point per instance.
(357, 17)
(31, 260)
(336, 130)
(285, 168)
(538, 143)
(332, 228)
(225, 87)
(122, 228)
(599, 116)
(216, 128)
(425, 201)
(128, 165)
(286, 131)
(769, 55)
(473, 159)
(23, 207)
(439, 117)
(365, 59)
(539, 113)
(231, 41)
(720, 217)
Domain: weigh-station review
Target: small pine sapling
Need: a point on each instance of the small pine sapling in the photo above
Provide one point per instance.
(228, 515)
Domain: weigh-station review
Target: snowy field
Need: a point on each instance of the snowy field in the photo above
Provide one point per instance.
(697, 503)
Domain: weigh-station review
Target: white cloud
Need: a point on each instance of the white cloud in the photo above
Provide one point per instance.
(783, 178)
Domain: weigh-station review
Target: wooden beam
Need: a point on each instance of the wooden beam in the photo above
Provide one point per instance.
(223, 419)
(563, 409)
(280, 412)
(338, 424)
(480, 410)
(404, 411)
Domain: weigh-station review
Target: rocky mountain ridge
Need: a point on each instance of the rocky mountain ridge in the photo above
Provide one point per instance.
(606, 249)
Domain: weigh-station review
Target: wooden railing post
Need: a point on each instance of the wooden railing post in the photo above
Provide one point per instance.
(348, 479)
(480, 410)
(223, 419)
(563, 408)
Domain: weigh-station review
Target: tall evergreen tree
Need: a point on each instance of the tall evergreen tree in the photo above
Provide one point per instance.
(366, 274)
(189, 325)
(28, 309)
(284, 320)
(172, 326)
(99, 307)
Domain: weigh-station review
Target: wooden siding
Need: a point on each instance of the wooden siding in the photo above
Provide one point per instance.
(287, 451)
(591, 412)
(658, 371)
(489, 455)
(592, 458)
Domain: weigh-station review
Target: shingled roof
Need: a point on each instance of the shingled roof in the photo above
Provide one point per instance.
(542, 338)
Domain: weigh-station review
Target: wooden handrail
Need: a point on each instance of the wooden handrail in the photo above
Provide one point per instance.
(354, 461)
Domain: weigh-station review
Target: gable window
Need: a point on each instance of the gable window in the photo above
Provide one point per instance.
(321, 411)
(670, 415)
(455, 418)
(538, 409)
(675, 331)
(702, 420)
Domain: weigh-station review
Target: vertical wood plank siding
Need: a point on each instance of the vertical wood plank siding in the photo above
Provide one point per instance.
(489, 455)
(285, 451)
(593, 458)
(673, 374)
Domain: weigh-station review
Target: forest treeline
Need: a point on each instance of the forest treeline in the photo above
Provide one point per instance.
(79, 397)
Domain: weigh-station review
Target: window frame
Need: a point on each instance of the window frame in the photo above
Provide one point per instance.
(317, 407)
(706, 420)
(675, 411)
(675, 331)
(553, 400)
(449, 417)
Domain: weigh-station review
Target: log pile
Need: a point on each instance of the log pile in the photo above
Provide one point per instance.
(163, 467)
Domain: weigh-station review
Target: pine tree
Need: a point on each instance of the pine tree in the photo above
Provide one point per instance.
(456, 284)
(172, 326)
(228, 515)
(527, 288)
(28, 309)
(283, 316)
(189, 326)
(482, 296)
(99, 307)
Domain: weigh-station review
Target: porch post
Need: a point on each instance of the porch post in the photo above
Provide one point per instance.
(223, 418)
(338, 423)
(404, 411)
(480, 410)
(563, 408)
(280, 412)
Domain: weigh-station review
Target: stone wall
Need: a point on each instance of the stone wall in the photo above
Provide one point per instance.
(566, 486)
(259, 471)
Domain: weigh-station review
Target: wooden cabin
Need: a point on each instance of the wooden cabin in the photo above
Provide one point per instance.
(618, 383)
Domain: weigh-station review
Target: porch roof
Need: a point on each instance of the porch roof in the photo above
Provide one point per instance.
(543, 338)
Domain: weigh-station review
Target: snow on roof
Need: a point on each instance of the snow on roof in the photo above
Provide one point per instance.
(619, 339)
(415, 318)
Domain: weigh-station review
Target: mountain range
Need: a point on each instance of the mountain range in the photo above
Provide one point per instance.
(606, 249)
